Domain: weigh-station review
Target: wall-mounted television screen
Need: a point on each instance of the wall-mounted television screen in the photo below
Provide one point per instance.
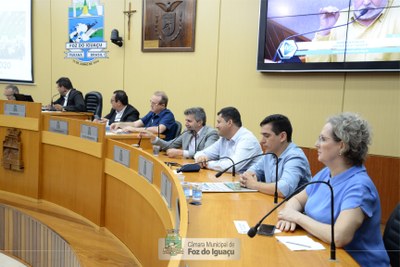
(329, 35)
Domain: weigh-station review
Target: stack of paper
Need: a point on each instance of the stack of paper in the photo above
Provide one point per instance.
(224, 187)
(300, 242)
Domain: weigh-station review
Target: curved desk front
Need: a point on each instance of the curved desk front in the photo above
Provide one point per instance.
(76, 168)
(129, 196)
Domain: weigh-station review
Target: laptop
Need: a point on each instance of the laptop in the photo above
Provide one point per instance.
(21, 97)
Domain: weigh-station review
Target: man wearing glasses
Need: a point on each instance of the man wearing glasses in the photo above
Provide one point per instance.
(121, 110)
(159, 120)
(9, 91)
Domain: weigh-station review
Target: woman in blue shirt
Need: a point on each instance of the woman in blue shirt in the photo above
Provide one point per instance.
(342, 147)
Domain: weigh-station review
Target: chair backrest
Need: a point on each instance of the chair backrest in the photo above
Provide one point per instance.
(94, 103)
(391, 237)
(178, 129)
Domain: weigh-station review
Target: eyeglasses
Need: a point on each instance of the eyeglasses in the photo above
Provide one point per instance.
(322, 139)
(153, 103)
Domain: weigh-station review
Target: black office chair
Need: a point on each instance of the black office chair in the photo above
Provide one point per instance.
(94, 103)
(178, 128)
(391, 237)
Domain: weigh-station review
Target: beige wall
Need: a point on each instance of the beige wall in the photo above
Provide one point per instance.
(221, 72)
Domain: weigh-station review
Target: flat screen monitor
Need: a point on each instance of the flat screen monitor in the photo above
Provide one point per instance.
(328, 36)
(21, 97)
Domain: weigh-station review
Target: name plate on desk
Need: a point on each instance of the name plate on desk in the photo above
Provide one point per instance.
(122, 156)
(146, 168)
(166, 188)
(57, 126)
(15, 110)
(89, 132)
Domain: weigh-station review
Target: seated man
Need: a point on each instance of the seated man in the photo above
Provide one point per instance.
(235, 142)
(158, 120)
(70, 98)
(293, 167)
(121, 110)
(196, 137)
(9, 91)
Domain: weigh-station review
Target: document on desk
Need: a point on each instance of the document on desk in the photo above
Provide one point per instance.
(224, 187)
(300, 242)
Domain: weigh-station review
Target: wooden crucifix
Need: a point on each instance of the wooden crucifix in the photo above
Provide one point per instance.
(129, 14)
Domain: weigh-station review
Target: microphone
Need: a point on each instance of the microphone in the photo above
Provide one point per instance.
(140, 139)
(276, 171)
(173, 140)
(287, 48)
(195, 142)
(253, 230)
(52, 102)
(224, 171)
(195, 167)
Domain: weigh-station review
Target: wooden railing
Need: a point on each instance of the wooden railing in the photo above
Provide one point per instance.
(28, 239)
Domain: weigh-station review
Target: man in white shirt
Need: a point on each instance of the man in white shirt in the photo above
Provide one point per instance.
(236, 143)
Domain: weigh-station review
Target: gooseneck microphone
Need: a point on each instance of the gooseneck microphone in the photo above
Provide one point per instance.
(170, 143)
(253, 230)
(259, 155)
(276, 177)
(362, 13)
(140, 139)
(52, 102)
(218, 174)
(195, 167)
(195, 141)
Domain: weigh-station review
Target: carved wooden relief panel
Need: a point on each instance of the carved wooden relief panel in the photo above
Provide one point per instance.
(12, 150)
(168, 25)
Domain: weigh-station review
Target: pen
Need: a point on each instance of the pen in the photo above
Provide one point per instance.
(301, 245)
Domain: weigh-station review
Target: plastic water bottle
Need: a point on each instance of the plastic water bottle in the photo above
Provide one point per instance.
(197, 194)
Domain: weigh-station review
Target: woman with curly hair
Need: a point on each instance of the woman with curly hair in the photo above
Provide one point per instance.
(342, 147)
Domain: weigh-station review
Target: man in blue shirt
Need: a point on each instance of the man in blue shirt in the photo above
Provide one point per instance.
(159, 120)
(293, 166)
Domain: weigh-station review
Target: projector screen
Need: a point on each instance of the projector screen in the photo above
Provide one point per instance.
(329, 35)
(16, 41)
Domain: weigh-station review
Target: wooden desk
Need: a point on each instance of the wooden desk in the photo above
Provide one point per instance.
(214, 219)
(25, 182)
(68, 114)
(82, 176)
(135, 210)
(73, 169)
(131, 139)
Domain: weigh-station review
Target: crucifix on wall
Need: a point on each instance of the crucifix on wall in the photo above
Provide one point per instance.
(129, 14)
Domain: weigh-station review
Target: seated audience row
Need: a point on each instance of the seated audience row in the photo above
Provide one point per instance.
(342, 147)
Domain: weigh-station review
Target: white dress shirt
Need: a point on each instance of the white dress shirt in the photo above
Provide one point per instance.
(241, 146)
(118, 114)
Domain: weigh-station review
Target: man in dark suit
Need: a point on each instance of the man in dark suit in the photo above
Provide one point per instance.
(70, 98)
(196, 137)
(121, 110)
